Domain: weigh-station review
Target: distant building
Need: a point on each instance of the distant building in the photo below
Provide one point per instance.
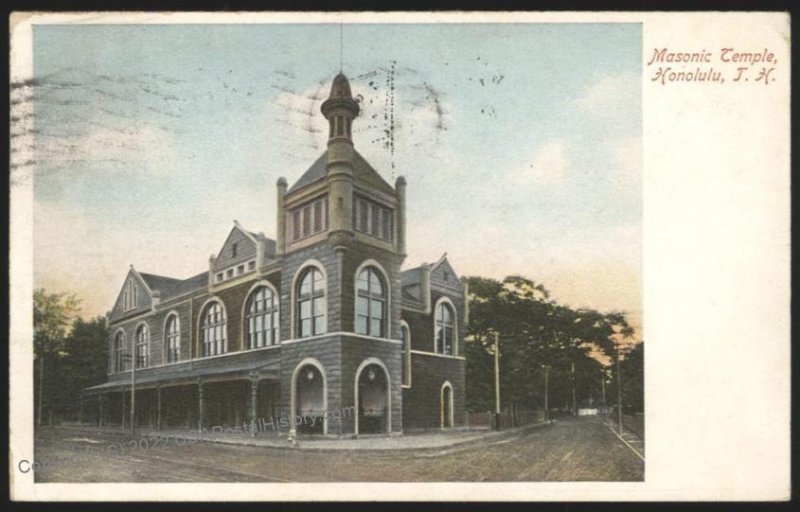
(318, 331)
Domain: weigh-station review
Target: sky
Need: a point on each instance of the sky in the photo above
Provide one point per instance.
(521, 145)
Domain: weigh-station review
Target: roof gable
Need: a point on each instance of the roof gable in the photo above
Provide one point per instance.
(134, 296)
(442, 272)
(239, 247)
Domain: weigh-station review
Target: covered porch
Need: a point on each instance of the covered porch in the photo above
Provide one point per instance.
(187, 398)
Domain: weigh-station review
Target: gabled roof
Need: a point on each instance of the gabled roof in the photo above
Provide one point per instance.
(160, 283)
(169, 287)
(362, 171)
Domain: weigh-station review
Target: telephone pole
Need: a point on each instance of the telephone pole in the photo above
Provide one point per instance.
(574, 400)
(546, 392)
(619, 394)
(497, 380)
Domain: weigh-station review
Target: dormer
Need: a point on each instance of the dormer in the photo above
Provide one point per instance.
(243, 253)
(135, 296)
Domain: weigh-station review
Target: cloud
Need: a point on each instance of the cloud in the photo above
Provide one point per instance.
(549, 166)
(611, 96)
(627, 165)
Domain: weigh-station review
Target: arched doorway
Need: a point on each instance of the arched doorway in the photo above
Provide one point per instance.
(309, 400)
(372, 399)
(446, 405)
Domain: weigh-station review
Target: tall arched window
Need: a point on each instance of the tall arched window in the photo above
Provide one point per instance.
(370, 303)
(445, 327)
(406, 366)
(213, 330)
(262, 318)
(311, 303)
(172, 335)
(119, 352)
(142, 346)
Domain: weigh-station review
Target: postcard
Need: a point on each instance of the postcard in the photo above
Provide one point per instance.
(399, 256)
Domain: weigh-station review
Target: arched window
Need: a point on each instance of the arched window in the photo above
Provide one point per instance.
(142, 346)
(172, 335)
(213, 330)
(406, 366)
(445, 327)
(311, 303)
(119, 352)
(370, 303)
(262, 318)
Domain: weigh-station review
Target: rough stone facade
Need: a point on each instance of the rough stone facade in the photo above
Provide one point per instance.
(343, 218)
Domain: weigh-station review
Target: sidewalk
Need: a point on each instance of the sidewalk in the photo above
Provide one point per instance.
(430, 440)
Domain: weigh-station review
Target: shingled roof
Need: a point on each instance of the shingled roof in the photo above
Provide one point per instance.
(362, 171)
(169, 287)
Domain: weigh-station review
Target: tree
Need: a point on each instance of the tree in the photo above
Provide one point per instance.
(52, 315)
(633, 379)
(576, 345)
(83, 362)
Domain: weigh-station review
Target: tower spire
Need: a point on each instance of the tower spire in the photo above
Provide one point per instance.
(340, 109)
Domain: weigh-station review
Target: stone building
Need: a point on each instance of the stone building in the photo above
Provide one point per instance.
(317, 331)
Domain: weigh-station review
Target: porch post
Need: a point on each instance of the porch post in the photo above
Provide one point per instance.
(100, 419)
(80, 409)
(124, 408)
(200, 407)
(158, 408)
(253, 406)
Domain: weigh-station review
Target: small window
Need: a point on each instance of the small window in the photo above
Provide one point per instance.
(229, 273)
(370, 303)
(310, 219)
(371, 218)
(445, 327)
(142, 346)
(173, 339)
(262, 318)
(234, 249)
(119, 352)
(220, 277)
(306, 221)
(386, 232)
(240, 269)
(213, 330)
(311, 304)
(251, 265)
(296, 225)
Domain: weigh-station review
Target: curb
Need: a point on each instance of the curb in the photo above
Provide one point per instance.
(491, 437)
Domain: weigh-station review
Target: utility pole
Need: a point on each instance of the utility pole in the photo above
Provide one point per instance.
(603, 385)
(497, 380)
(546, 393)
(41, 389)
(133, 391)
(619, 393)
(574, 401)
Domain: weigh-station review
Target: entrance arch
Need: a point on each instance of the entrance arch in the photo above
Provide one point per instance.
(373, 398)
(309, 398)
(446, 405)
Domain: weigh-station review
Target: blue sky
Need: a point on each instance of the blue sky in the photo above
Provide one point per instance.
(521, 145)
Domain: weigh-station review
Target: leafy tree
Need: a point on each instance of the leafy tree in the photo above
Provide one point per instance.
(576, 348)
(632, 366)
(52, 315)
(82, 363)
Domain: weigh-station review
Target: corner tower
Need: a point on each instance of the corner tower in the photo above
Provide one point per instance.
(341, 237)
(340, 109)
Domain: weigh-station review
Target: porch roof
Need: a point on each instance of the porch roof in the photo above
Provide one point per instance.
(185, 372)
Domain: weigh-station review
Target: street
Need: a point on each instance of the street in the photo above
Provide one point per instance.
(568, 450)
